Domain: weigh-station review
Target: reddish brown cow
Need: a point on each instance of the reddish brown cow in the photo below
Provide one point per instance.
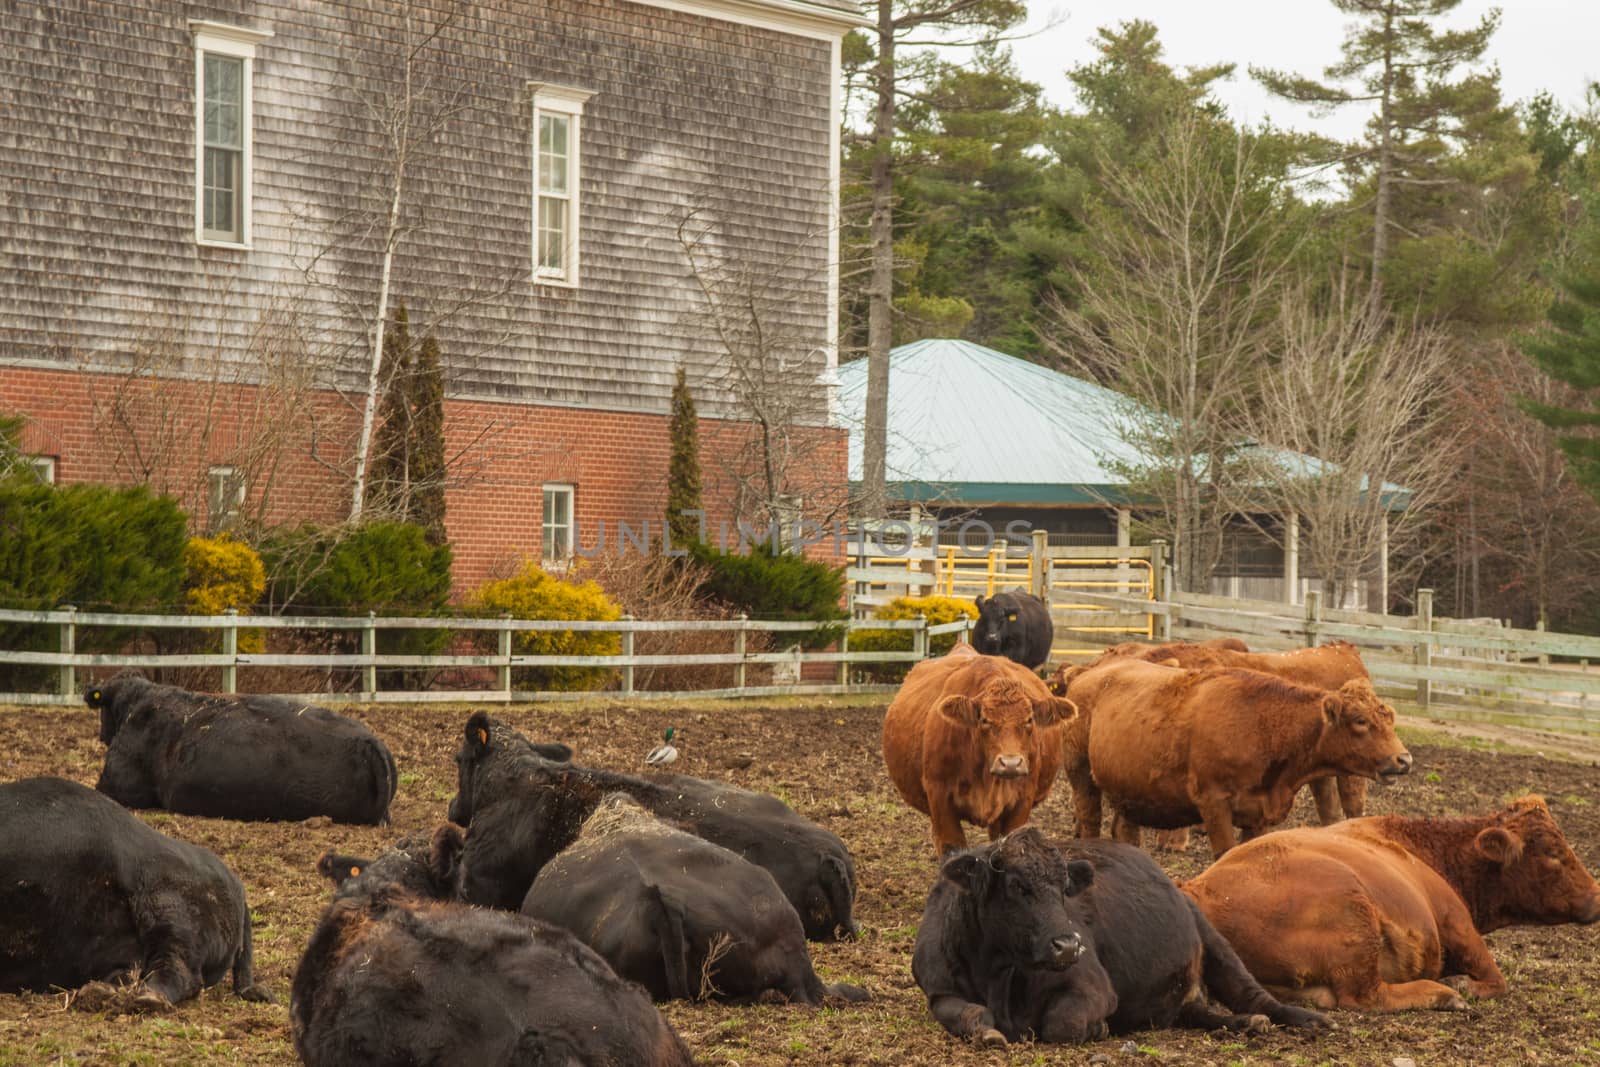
(1371, 913)
(1171, 747)
(1326, 666)
(973, 737)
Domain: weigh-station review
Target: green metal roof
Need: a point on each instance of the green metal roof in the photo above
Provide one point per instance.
(971, 425)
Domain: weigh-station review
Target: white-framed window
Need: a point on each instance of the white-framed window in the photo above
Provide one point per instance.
(224, 495)
(224, 58)
(42, 467)
(557, 521)
(557, 140)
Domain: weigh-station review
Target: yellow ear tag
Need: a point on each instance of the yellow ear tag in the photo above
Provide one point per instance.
(1011, 616)
(95, 695)
(483, 736)
(354, 871)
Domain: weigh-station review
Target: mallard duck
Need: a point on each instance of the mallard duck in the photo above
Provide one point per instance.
(664, 753)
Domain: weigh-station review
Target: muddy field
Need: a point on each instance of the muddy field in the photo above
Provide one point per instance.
(824, 759)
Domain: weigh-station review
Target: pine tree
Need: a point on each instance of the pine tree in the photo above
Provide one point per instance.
(683, 470)
(387, 485)
(1568, 349)
(427, 473)
(408, 463)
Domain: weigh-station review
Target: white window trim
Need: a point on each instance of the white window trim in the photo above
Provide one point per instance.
(240, 43)
(567, 101)
(43, 468)
(572, 508)
(230, 510)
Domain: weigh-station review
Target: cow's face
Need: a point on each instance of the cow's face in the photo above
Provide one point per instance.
(1017, 890)
(476, 743)
(112, 701)
(997, 618)
(420, 864)
(1360, 737)
(1539, 879)
(1004, 721)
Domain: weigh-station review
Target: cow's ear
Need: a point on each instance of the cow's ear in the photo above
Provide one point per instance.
(1080, 876)
(1499, 845)
(978, 601)
(1047, 711)
(1331, 707)
(339, 869)
(966, 871)
(958, 709)
(444, 853)
(478, 733)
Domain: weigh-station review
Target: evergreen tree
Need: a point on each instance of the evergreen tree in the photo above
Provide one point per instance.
(387, 484)
(427, 467)
(408, 459)
(683, 469)
(1397, 58)
(1568, 349)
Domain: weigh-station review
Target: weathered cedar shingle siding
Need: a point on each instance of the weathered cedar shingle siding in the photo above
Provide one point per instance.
(97, 248)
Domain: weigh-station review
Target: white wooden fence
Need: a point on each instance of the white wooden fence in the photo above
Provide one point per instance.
(68, 624)
(1452, 669)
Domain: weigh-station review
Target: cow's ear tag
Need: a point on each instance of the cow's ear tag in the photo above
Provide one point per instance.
(354, 871)
(483, 736)
(94, 694)
(1011, 616)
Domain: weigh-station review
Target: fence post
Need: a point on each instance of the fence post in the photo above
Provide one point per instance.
(919, 637)
(1158, 569)
(739, 650)
(842, 675)
(627, 651)
(502, 673)
(369, 648)
(69, 645)
(1038, 582)
(230, 648)
(1313, 615)
(1424, 650)
(1544, 657)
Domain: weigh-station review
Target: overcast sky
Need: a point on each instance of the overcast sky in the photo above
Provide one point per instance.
(1551, 45)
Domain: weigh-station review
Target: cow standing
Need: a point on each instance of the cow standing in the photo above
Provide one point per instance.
(976, 738)
(1326, 666)
(1172, 747)
(1016, 626)
(1370, 914)
(90, 893)
(684, 918)
(251, 757)
(523, 807)
(391, 975)
(1019, 941)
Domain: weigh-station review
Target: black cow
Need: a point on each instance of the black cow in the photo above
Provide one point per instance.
(250, 757)
(523, 807)
(90, 893)
(684, 918)
(1016, 626)
(1022, 941)
(391, 976)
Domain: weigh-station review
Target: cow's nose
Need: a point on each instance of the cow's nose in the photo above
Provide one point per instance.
(1591, 911)
(1066, 949)
(1010, 766)
(1403, 761)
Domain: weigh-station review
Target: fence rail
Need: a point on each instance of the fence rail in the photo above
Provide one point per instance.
(69, 624)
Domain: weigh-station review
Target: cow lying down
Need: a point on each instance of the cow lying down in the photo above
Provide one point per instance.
(1370, 914)
(90, 893)
(684, 918)
(249, 757)
(392, 975)
(1023, 940)
(523, 804)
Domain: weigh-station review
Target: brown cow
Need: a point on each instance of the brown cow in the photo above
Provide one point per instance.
(973, 737)
(1171, 747)
(1371, 913)
(1327, 666)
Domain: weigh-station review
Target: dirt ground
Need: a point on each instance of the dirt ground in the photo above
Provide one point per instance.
(824, 758)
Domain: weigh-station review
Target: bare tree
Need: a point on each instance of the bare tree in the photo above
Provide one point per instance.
(766, 361)
(1352, 430)
(1187, 259)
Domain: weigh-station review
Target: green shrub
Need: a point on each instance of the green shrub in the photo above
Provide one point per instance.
(533, 594)
(93, 546)
(776, 585)
(938, 610)
(388, 568)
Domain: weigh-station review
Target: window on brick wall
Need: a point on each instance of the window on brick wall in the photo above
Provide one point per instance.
(557, 522)
(224, 496)
(42, 468)
(224, 61)
(557, 115)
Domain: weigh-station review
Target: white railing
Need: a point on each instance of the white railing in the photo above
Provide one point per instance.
(69, 622)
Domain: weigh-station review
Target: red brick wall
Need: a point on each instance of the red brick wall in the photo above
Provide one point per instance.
(296, 453)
